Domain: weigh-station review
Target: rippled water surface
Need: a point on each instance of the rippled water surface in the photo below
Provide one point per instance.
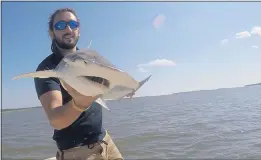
(224, 123)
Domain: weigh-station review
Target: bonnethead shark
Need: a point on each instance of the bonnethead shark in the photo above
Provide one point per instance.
(80, 69)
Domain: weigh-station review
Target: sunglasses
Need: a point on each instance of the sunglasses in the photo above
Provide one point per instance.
(61, 25)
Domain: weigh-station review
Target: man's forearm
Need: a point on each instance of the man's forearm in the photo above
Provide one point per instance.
(65, 115)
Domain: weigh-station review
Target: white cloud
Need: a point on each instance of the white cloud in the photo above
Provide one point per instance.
(224, 41)
(158, 21)
(142, 70)
(256, 30)
(244, 34)
(156, 63)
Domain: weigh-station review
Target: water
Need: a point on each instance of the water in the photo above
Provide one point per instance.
(222, 123)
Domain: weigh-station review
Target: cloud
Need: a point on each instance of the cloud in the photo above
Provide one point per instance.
(256, 30)
(158, 21)
(244, 34)
(158, 63)
(142, 70)
(224, 41)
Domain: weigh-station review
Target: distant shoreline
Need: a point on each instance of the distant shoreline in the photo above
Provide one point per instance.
(17, 109)
(256, 84)
(249, 85)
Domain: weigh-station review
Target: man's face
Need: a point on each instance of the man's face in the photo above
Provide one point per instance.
(66, 38)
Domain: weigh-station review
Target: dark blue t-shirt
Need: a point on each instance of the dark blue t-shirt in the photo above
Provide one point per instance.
(87, 129)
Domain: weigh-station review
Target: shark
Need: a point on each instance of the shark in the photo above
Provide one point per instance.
(85, 69)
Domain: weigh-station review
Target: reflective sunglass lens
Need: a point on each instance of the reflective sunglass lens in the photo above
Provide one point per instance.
(60, 25)
(73, 24)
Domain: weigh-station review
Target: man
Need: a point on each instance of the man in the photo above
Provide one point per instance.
(76, 119)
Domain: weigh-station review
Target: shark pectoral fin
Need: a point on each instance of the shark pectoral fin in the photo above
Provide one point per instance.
(38, 74)
(102, 103)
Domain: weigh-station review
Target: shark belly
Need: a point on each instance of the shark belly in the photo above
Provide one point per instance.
(84, 87)
(117, 92)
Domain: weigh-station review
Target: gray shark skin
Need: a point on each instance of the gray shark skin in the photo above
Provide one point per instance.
(79, 69)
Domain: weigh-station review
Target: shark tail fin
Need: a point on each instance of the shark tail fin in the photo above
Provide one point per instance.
(141, 83)
(38, 74)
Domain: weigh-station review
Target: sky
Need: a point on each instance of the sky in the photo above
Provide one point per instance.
(184, 46)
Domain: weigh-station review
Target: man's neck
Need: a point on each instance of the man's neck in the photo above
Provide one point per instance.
(66, 51)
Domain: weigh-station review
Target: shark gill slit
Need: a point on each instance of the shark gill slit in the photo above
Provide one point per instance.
(98, 80)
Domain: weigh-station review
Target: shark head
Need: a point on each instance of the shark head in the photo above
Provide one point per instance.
(86, 57)
(82, 66)
(88, 65)
(87, 85)
(81, 74)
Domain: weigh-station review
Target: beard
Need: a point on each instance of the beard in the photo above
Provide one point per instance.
(61, 44)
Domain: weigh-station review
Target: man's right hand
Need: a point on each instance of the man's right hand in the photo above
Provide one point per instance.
(81, 101)
(62, 115)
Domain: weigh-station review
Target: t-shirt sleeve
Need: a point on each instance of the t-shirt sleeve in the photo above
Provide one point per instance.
(43, 85)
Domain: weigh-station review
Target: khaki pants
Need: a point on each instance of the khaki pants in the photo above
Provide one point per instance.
(99, 151)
